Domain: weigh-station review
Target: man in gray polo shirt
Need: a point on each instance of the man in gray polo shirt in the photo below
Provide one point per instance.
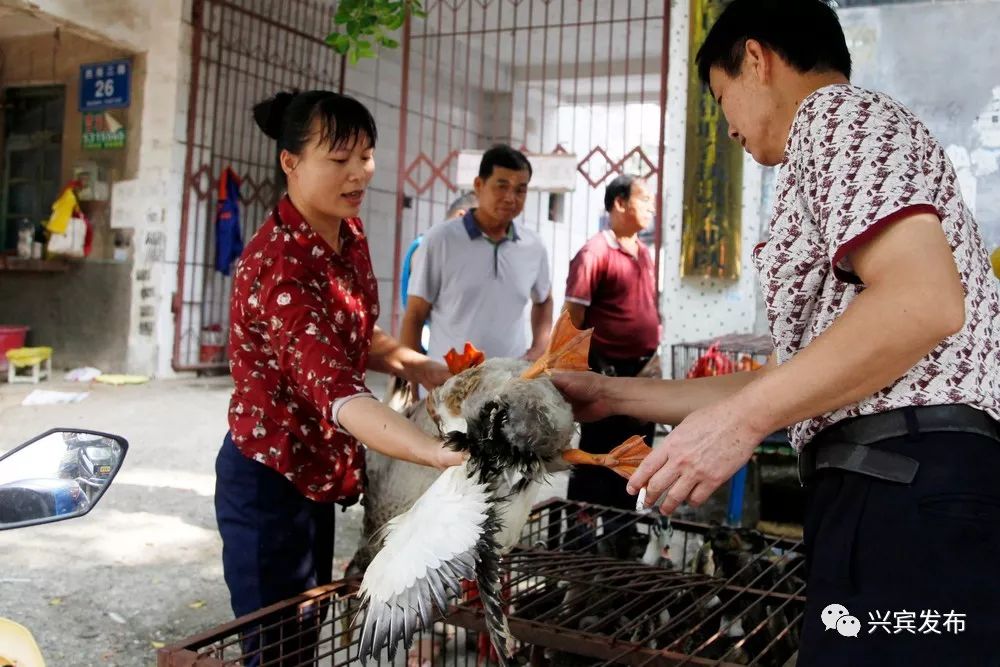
(479, 273)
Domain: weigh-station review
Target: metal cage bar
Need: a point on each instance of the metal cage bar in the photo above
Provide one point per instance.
(733, 597)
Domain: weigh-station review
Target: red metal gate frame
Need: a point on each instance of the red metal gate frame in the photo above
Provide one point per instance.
(191, 174)
(199, 63)
(177, 304)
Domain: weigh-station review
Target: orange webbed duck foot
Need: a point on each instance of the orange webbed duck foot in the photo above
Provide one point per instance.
(568, 350)
(623, 459)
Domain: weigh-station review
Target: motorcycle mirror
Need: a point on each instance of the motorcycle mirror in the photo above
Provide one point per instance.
(58, 475)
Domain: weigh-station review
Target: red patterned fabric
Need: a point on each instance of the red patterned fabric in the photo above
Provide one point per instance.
(855, 162)
(302, 320)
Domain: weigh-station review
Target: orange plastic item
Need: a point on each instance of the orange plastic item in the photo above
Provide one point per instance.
(748, 363)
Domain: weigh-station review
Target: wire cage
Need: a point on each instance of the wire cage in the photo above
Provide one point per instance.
(772, 473)
(737, 348)
(587, 585)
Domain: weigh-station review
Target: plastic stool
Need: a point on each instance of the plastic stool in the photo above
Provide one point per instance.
(37, 361)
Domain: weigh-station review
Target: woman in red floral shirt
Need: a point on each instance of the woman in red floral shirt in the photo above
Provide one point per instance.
(303, 334)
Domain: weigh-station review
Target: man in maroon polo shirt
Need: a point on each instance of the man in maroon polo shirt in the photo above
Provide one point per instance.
(612, 288)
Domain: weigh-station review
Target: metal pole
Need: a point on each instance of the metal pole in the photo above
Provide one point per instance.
(664, 66)
(197, 12)
(400, 176)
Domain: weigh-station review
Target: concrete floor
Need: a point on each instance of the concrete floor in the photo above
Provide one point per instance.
(144, 567)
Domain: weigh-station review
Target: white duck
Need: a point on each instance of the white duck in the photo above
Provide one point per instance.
(514, 424)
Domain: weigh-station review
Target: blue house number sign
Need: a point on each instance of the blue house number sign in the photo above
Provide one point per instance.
(105, 85)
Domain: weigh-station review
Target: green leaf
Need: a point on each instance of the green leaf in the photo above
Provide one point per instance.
(366, 23)
(339, 41)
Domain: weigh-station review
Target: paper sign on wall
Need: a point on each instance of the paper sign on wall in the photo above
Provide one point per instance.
(551, 172)
(101, 130)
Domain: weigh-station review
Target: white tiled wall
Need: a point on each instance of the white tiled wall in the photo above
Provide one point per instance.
(696, 309)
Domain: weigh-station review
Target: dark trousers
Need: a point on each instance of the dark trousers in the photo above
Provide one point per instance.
(599, 485)
(914, 554)
(276, 544)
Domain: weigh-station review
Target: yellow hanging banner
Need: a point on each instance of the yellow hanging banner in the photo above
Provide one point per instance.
(713, 171)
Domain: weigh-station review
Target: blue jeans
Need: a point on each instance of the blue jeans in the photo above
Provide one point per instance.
(276, 544)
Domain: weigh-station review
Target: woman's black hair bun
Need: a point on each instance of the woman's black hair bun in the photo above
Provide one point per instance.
(270, 113)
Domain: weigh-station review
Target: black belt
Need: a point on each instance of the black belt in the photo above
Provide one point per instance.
(847, 445)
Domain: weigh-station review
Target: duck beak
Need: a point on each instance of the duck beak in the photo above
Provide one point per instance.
(568, 350)
(623, 459)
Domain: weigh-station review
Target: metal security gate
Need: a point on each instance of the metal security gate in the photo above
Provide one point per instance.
(243, 51)
(580, 77)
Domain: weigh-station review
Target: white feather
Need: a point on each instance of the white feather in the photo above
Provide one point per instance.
(427, 551)
(514, 515)
(451, 422)
(445, 522)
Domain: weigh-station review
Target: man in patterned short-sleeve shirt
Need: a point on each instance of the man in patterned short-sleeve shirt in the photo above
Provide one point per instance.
(885, 321)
